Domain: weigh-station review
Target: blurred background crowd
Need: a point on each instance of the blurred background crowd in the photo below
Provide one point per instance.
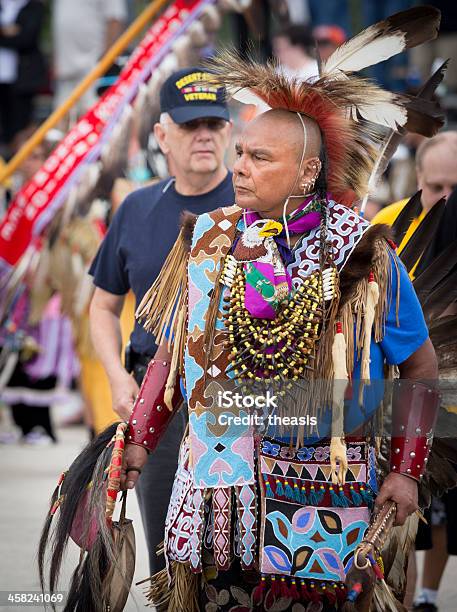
(47, 47)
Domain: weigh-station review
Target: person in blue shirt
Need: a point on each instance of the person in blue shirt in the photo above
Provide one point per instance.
(193, 133)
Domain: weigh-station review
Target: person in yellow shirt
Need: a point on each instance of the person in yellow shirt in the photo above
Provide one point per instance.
(436, 171)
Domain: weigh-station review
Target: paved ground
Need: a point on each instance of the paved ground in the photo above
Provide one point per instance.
(29, 477)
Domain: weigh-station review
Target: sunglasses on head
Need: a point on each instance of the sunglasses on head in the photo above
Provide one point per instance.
(211, 123)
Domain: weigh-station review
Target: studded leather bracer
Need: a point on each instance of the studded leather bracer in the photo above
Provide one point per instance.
(415, 408)
(150, 416)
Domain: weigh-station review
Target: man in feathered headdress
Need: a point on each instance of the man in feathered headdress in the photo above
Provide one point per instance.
(290, 292)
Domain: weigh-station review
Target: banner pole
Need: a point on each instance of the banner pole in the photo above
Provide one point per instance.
(107, 60)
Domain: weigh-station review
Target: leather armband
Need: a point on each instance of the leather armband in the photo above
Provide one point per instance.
(415, 408)
(150, 416)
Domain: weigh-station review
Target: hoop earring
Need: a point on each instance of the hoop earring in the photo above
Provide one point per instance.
(245, 218)
(284, 221)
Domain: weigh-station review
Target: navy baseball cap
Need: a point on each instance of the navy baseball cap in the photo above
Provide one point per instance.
(186, 95)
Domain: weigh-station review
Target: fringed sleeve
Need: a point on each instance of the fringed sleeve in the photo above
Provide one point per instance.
(163, 309)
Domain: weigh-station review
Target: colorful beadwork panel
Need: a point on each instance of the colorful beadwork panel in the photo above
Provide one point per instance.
(310, 542)
(222, 510)
(221, 455)
(344, 231)
(312, 462)
(246, 498)
(310, 527)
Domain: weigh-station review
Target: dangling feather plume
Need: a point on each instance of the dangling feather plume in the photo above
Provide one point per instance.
(385, 39)
(393, 138)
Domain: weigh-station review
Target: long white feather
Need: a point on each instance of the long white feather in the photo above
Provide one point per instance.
(247, 96)
(393, 138)
(365, 49)
(375, 174)
(385, 39)
(387, 114)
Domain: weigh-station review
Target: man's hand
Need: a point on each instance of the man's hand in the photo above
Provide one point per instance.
(124, 391)
(402, 490)
(134, 457)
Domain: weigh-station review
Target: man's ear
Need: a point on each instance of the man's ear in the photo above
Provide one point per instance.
(160, 134)
(311, 168)
(419, 178)
(308, 170)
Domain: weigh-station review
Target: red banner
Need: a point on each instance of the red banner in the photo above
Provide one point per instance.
(36, 203)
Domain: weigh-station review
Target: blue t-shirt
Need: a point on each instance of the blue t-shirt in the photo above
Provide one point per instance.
(140, 237)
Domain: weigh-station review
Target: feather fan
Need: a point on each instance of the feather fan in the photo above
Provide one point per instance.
(441, 297)
(400, 544)
(410, 211)
(435, 272)
(441, 473)
(385, 39)
(442, 332)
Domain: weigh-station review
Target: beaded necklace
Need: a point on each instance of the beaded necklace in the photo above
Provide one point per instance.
(278, 349)
(282, 348)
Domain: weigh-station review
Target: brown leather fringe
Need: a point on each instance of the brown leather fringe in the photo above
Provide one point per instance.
(179, 596)
(362, 260)
(371, 255)
(177, 358)
(161, 306)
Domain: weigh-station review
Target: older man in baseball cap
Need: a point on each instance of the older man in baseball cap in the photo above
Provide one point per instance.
(193, 133)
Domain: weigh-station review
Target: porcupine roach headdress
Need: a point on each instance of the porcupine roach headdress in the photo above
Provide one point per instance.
(352, 113)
